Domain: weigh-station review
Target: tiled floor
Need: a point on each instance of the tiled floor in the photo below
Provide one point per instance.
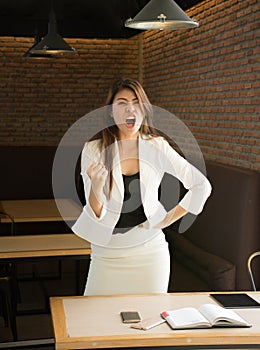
(34, 295)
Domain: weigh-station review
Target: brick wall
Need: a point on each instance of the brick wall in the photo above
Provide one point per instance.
(41, 98)
(209, 78)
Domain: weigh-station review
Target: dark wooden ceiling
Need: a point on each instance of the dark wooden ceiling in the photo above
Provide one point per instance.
(75, 18)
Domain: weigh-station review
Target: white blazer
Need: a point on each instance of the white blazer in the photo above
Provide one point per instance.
(156, 157)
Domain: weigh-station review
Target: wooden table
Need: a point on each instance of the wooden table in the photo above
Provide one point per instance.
(94, 322)
(13, 248)
(44, 247)
(39, 210)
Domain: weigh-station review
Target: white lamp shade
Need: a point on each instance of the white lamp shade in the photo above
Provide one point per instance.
(161, 14)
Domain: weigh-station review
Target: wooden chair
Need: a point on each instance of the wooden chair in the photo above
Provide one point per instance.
(8, 288)
(8, 303)
(249, 268)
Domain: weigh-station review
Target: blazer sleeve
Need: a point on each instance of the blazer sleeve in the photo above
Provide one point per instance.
(88, 226)
(88, 157)
(198, 186)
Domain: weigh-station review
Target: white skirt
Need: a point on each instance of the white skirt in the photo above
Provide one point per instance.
(141, 269)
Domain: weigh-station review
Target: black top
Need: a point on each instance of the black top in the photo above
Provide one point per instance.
(132, 213)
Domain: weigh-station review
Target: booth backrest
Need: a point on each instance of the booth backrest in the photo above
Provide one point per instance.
(26, 172)
(229, 225)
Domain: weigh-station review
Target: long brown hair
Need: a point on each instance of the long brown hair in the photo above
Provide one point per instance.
(109, 134)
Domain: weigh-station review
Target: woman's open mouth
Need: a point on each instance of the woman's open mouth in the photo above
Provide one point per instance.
(130, 122)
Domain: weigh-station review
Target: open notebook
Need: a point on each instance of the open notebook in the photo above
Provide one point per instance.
(206, 316)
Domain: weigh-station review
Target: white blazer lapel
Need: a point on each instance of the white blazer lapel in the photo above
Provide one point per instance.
(116, 171)
(145, 167)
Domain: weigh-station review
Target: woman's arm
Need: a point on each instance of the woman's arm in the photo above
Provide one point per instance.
(97, 174)
(192, 179)
(173, 215)
(95, 202)
(198, 186)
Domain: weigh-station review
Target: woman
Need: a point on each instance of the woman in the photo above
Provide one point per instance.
(123, 219)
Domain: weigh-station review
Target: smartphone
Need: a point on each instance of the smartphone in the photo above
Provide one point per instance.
(130, 316)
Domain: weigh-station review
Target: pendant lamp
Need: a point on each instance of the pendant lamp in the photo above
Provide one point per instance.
(29, 54)
(52, 43)
(160, 15)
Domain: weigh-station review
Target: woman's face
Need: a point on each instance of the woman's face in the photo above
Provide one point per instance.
(128, 115)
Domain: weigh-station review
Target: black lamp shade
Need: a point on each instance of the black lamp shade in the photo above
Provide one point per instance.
(29, 54)
(52, 43)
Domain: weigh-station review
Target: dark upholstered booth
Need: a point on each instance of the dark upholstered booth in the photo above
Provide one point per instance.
(194, 269)
(210, 255)
(228, 228)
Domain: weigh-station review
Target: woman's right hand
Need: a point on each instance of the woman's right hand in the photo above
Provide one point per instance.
(97, 173)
